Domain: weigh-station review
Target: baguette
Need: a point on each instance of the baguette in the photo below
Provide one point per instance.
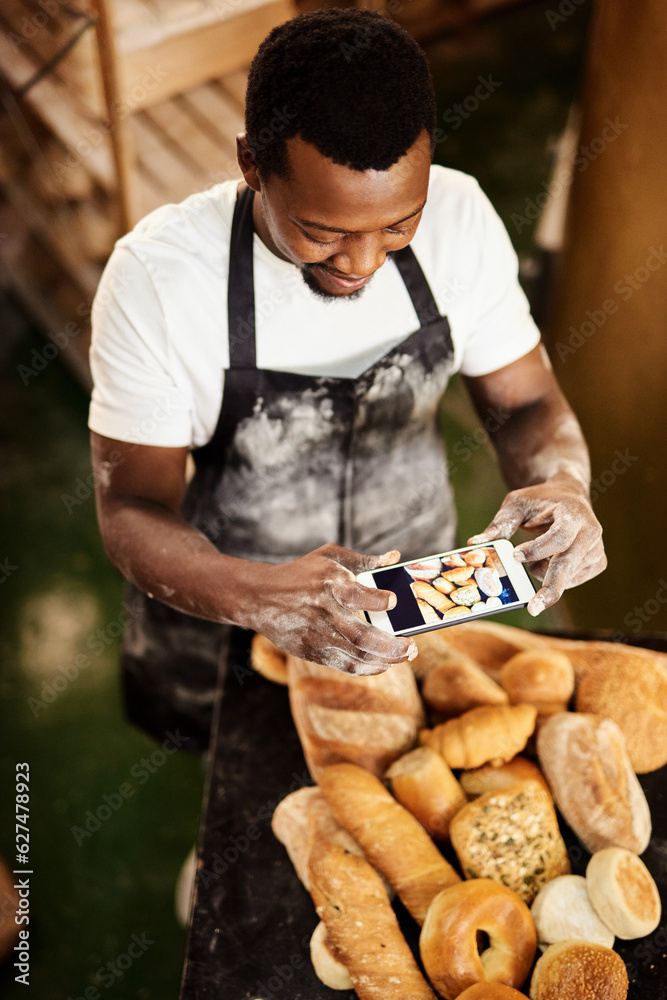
(362, 927)
(303, 818)
(328, 968)
(425, 592)
(490, 733)
(393, 840)
(369, 720)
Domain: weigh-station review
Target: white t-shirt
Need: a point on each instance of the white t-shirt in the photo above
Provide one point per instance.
(160, 345)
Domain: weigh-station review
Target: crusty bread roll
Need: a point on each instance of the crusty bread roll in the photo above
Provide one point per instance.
(623, 893)
(424, 784)
(630, 687)
(543, 678)
(490, 733)
(432, 651)
(302, 818)
(592, 781)
(362, 928)
(512, 837)
(491, 991)
(492, 777)
(392, 839)
(328, 969)
(562, 912)
(369, 720)
(456, 686)
(268, 660)
(574, 970)
(448, 940)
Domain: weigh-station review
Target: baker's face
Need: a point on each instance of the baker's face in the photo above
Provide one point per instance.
(338, 224)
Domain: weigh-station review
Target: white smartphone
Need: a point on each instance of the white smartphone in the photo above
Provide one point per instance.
(450, 588)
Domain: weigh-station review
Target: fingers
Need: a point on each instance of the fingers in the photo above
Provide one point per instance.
(362, 649)
(357, 562)
(558, 538)
(505, 523)
(353, 596)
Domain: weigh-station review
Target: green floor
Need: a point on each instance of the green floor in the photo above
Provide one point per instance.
(89, 898)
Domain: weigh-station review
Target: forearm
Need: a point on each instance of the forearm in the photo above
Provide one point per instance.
(172, 561)
(543, 442)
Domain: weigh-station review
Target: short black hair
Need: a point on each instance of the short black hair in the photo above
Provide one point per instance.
(352, 83)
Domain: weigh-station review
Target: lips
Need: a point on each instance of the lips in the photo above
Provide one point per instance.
(344, 284)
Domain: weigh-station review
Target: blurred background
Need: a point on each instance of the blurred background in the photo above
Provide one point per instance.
(113, 108)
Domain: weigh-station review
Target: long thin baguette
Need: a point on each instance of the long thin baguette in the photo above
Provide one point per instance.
(362, 928)
(393, 840)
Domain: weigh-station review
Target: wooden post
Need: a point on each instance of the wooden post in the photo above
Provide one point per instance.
(608, 332)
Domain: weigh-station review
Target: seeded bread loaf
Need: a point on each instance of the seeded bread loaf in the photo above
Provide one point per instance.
(512, 837)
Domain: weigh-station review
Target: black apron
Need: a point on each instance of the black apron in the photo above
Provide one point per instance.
(296, 461)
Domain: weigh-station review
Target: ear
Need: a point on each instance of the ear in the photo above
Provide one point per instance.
(246, 162)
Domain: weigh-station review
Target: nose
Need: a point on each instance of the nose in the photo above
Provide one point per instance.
(362, 254)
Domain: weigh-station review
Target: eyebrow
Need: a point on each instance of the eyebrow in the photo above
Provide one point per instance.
(334, 229)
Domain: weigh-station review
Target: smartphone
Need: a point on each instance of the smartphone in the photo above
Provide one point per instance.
(450, 588)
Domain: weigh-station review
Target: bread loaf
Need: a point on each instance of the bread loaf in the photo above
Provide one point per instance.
(392, 839)
(593, 784)
(328, 968)
(490, 733)
(623, 893)
(423, 783)
(563, 912)
(630, 687)
(512, 837)
(369, 720)
(543, 678)
(362, 928)
(456, 686)
(491, 777)
(303, 818)
(574, 970)
(268, 660)
(491, 645)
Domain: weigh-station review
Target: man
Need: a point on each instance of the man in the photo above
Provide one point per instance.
(296, 332)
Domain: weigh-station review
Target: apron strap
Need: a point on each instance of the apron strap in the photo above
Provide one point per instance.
(418, 287)
(241, 285)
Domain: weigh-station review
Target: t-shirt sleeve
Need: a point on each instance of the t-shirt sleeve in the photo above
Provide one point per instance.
(502, 329)
(135, 397)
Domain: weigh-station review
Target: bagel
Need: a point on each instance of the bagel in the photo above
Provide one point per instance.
(448, 940)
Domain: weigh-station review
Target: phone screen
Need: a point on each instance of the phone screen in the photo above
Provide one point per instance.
(453, 587)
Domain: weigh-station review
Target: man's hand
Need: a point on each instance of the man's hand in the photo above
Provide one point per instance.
(307, 607)
(568, 548)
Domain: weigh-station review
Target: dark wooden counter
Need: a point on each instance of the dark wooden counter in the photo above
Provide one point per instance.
(252, 919)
